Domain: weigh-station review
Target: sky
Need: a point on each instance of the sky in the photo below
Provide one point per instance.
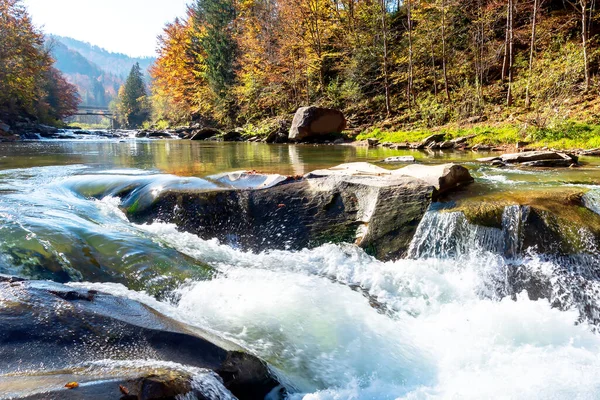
(119, 26)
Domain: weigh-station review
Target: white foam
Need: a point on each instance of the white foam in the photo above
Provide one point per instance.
(412, 329)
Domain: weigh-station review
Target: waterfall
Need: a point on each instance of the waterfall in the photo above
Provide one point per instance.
(443, 234)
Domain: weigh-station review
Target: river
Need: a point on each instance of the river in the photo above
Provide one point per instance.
(444, 323)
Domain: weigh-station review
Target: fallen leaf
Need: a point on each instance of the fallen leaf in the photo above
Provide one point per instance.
(72, 385)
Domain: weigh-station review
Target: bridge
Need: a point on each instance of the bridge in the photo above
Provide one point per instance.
(89, 110)
(97, 111)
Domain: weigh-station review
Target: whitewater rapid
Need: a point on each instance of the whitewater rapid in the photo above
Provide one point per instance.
(338, 324)
(333, 322)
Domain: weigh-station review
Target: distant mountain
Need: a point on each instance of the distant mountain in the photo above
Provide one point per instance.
(114, 63)
(96, 86)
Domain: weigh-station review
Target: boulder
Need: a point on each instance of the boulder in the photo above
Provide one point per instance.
(316, 123)
(204, 133)
(443, 177)
(430, 141)
(359, 203)
(535, 159)
(47, 327)
(233, 135)
(159, 134)
(378, 212)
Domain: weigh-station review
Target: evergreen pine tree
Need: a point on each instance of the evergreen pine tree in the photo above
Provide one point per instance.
(132, 107)
(218, 44)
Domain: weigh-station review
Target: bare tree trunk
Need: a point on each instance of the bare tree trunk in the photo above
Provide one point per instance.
(531, 51)
(410, 54)
(506, 44)
(435, 89)
(584, 39)
(444, 69)
(294, 88)
(509, 96)
(388, 108)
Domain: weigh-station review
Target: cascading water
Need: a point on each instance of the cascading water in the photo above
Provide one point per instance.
(470, 314)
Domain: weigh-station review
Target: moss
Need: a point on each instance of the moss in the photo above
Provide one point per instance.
(562, 135)
(487, 214)
(559, 206)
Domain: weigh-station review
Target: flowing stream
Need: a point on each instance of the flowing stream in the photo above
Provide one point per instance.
(465, 316)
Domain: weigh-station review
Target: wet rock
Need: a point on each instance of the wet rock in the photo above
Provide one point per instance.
(111, 383)
(158, 134)
(399, 159)
(481, 147)
(591, 152)
(233, 135)
(430, 141)
(46, 326)
(316, 124)
(535, 159)
(279, 133)
(443, 177)
(557, 222)
(205, 133)
(360, 203)
(400, 146)
(249, 179)
(447, 145)
(372, 142)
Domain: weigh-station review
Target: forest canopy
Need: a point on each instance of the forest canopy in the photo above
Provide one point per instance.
(29, 84)
(426, 61)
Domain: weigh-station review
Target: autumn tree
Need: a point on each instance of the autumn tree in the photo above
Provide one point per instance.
(28, 83)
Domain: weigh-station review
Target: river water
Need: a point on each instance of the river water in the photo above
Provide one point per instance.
(333, 321)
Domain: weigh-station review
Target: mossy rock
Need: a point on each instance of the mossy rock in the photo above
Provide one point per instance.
(557, 221)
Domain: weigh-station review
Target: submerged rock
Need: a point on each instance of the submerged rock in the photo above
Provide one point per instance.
(314, 123)
(47, 327)
(399, 159)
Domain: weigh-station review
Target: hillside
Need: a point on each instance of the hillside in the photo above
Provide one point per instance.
(114, 63)
(96, 86)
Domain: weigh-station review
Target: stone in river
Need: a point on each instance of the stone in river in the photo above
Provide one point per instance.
(49, 328)
(399, 159)
(359, 203)
(315, 123)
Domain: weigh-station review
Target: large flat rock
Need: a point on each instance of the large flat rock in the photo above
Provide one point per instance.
(378, 213)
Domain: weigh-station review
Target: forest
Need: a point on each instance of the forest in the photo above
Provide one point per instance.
(31, 88)
(413, 64)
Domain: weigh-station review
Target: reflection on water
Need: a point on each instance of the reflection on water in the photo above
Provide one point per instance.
(187, 158)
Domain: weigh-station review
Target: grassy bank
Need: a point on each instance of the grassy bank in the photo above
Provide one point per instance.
(566, 135)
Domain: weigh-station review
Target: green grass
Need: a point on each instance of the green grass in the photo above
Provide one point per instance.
(565, 135)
